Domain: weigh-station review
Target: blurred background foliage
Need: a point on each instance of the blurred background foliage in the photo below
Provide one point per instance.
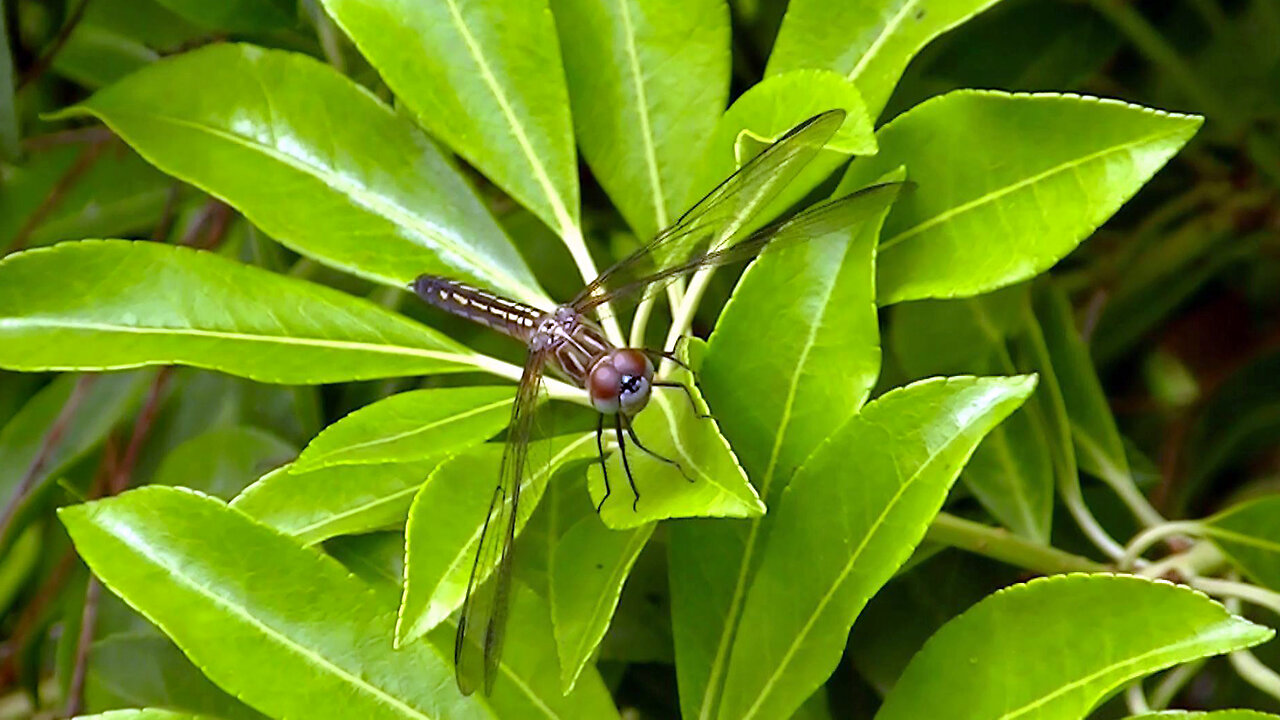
(1177, 297)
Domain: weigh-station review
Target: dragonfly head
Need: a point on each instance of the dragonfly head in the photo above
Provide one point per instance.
(620, 382)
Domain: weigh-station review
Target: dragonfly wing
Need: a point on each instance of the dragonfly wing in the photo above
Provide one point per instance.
(816, 221)
(482, 625)
(719, 216)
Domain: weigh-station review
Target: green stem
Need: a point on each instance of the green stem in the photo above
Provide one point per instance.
(1173, 682)
(1253, 671)
(999, 544)
(1230, 589)
(1152, 535)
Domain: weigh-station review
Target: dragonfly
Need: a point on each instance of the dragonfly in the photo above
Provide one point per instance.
(619, 381)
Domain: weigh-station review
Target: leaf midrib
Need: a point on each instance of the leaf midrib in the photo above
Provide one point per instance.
(305, 464)
(642, 110)
(558, 208)
(379, 205)
(735, 604)
(1009, 189)
(284, 641)
(285, 340)
(1132, 661)
(804, 631)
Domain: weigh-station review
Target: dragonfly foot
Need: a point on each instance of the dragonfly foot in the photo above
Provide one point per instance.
(687, 393)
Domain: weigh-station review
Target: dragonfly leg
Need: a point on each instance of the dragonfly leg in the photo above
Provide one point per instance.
(687, 393)
(636, 439)
(604, 467)
(667, 355)
(622, 448)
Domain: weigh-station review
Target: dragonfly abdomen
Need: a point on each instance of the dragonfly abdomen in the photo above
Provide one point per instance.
(506, 316)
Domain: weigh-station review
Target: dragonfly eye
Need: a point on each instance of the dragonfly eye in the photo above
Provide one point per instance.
(604, 385)
(636, 372)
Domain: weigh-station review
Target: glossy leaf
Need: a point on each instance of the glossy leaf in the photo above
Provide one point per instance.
(821, 349)
(1011, 472)
(236, 15)
(446, 520)
(410, 426)
(1099, 447)
(128, 670)
(669, 426)
(145, 714)
(103, 305)
(909, 445)
(303, 628)
(1215, 715)
(869, 42)
(362, 191)
(767, 111)
(1107, 630)
(647, 81)
(1250, 537)
(181, 559)
(339, 500)
(588, 565)
(487, 80)
(224, 461)
(1006, 185)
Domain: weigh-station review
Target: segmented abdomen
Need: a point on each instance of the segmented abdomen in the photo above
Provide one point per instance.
(507, 316)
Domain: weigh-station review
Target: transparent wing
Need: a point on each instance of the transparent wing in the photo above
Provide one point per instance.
(482, 625)
(816, 221)
(717, 218)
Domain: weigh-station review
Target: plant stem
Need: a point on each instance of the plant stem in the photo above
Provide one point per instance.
(1253, 671)
(1231, 589)
(1152, 535)
(1000, 544)
(1173, 682)
(577, 245)
(1136, 699)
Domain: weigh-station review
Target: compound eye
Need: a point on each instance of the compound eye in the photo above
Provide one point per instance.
(635, 393)
(604, 386)
(632, 362)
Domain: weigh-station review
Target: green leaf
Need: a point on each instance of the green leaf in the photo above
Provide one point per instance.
(910, 445)
(712, 483)
(447, 517)
(301, 629)
(1099, 447)
(120, 194)
(145, 714)
(647, 82)
(236, 15)
(868, 42)
(379, 558)
(410, 426)
(375, 557)
(1249, 536)
(1006, 185)
(10, 131)
(1011, 472)
(589, 564)
(1100, 630)
(1216, 715)
(487, 80)
(304, 628)
(821, 351)
(315, 161)
(767, 111)
(339, 500)
(223, 461)
(17, 564)
(145, 669)
(103, 305)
